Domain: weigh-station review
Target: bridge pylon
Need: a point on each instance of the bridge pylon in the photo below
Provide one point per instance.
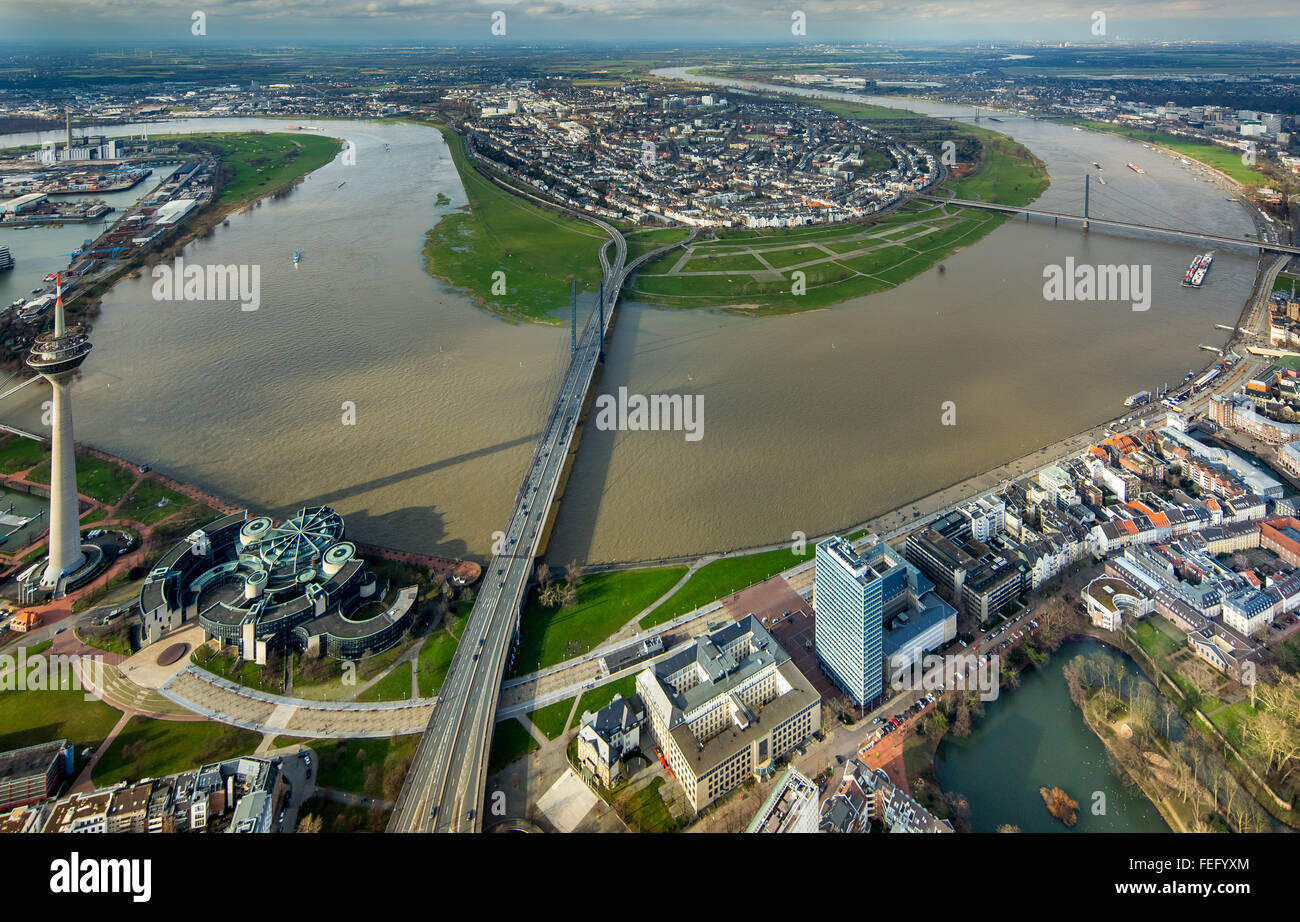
(600, 331)
(1087, 179)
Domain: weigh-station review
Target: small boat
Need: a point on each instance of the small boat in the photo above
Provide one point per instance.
(341, 185)
(297, 256)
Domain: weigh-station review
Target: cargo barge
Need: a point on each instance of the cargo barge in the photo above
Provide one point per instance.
(1194, 277)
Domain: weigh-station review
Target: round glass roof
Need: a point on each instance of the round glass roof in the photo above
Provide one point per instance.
(301, 540)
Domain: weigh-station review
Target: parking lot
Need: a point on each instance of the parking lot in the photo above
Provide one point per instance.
(791, 624)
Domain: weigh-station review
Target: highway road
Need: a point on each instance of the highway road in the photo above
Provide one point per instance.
(444, 789)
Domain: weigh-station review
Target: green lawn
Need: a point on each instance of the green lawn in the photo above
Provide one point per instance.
(537, 248)
(510, 740)
(1007, 172)
(396, 686)
(878, 260)
(720, 262)
(31, 717)
(231, 667)
(18, 454)
(596, 698)
(148, 748)
(343, 818)
(1231, 719)
(606, 601)
(324, 683)
(1159, 642)
(826, 283)
(435, 660)
(553, 719)
(722, 578)
(864, 111)
(117, 640)
(259, 163)
(640, 242)
(369, 767)
(793, 256)
(102, 480)
(141, 504)
(646, 811)
(332, 687)
(832, 280)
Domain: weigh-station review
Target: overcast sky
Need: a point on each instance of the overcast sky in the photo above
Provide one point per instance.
(713, 21)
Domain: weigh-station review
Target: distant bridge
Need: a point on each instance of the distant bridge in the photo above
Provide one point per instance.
(1085, 221)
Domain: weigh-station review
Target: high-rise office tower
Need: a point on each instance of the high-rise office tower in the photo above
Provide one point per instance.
(854, 588)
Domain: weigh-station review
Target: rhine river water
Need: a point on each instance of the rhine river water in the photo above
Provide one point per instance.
(811, 422)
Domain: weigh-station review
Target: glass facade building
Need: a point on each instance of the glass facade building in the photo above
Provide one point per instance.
(854, 589)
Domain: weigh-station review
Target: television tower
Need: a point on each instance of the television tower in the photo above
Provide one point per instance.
(56, 356)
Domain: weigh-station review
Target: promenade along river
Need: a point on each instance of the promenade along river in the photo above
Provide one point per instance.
(811, 421)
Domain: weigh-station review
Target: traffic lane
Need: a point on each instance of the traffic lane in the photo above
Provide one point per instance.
(515, 582)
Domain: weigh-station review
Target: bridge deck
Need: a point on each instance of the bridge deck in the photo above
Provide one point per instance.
(1122, 225)
(445, 785)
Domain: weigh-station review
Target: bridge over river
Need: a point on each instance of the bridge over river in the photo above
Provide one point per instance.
(444, 787)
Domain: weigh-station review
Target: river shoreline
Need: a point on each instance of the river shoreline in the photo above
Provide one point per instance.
(85, 305)
(456, 510)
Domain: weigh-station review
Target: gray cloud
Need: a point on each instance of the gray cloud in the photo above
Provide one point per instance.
(633, 20)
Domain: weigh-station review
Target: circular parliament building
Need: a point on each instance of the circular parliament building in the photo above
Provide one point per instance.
(261, 586)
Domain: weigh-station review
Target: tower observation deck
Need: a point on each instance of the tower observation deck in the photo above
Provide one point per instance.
(55, 356)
